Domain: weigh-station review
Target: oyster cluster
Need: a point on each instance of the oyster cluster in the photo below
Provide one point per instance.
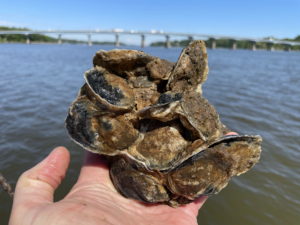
(165, 141)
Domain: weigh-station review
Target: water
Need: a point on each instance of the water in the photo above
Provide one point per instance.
(254, 92)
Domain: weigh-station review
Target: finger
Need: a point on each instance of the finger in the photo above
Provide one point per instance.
(231, 133)
(194, 206)
(37, 185)
(94, 169)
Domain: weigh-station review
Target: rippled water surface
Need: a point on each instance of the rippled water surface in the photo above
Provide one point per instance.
(254, 92)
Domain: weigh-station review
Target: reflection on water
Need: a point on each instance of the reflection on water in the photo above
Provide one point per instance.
(254, 92)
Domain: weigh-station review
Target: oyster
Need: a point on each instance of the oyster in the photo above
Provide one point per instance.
(165, 141)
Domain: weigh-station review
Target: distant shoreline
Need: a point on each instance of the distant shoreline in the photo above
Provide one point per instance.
(232, 44)
(41, 38)
(56, 43)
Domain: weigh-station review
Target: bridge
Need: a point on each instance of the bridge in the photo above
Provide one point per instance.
(143, 34)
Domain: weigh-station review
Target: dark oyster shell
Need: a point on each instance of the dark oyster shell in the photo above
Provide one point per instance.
(165, 140)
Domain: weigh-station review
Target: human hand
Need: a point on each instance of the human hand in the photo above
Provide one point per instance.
(92, 200)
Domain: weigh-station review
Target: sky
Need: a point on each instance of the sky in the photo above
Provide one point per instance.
(244, 18)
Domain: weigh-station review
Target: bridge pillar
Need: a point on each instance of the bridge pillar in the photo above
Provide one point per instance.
(270, 46)
(168, 43)
(59, 41)
(213, 44)
(117, 42)
(90, 43)
(27, 39)
(142, 40)
(234, 45)
(253, 47)
(289, 48)
(190, 38)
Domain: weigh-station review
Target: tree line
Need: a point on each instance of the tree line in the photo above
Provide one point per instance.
(228, 43)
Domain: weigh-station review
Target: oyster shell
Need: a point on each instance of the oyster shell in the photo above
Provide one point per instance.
(165, 141)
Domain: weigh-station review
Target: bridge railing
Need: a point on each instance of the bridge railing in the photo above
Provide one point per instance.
(143, 34)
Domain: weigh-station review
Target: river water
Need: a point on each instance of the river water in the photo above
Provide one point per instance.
(255, 92)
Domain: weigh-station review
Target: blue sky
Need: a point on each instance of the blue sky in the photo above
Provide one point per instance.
(256, 18)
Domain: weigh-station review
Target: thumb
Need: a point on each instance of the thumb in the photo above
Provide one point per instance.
(37, 185)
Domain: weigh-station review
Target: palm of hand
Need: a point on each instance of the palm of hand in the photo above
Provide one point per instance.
(92, 200)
